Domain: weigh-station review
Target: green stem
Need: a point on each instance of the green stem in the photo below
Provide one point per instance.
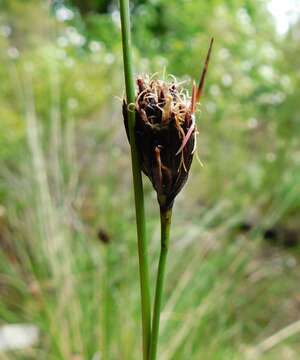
(165, 221)
(137, 180)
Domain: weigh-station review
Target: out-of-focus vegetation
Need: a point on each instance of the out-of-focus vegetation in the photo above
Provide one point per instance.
(68, 261)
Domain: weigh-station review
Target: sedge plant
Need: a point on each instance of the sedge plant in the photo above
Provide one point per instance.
(160, 124)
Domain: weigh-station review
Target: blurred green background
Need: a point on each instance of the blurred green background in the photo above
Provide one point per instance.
(68, 246)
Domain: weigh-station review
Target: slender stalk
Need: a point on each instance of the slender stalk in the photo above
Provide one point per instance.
(165, 223)
(137, 180)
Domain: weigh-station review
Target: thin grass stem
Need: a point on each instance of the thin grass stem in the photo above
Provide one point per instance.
(165, 221)
(137, 180)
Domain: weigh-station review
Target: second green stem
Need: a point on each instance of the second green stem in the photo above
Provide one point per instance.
(165, 219)
(137, 179)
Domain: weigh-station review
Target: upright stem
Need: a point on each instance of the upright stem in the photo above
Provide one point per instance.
(165, 221)
(137, 180)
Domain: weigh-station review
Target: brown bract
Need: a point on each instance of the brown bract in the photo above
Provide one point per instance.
(165, 136)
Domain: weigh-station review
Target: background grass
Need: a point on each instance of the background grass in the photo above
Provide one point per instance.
(69, 257)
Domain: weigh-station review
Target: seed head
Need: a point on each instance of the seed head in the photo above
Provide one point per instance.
(165, 132)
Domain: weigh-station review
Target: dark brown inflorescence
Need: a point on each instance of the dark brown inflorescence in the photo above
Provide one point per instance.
(163, 122)
(165, 132)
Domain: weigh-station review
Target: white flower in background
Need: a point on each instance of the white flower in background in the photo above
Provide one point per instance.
(267, 72)
(75, 38)
(227, 80)
(95, 46)
(286, 13)
(18, 336)
(64, 14)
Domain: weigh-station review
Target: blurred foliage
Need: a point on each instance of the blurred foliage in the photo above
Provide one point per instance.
(248, 91)
(247, 86)
(64, 175)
